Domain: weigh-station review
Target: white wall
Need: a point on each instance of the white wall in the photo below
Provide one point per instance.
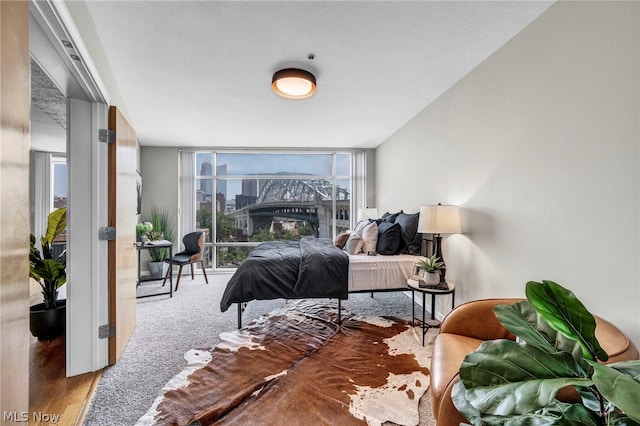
(539, 145)
(159, 170)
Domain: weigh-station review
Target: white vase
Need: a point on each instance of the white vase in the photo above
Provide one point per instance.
(432, 278)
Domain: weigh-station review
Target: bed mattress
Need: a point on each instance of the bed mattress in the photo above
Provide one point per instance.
(380, 273)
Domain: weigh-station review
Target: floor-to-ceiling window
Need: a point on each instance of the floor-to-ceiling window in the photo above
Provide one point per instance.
(58, 182)
(243, 198)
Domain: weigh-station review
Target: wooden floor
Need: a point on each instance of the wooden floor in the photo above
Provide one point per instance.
(51, 393)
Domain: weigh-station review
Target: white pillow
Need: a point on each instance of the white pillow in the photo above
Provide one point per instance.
(354, 244)
(360, 226)
(370, 237)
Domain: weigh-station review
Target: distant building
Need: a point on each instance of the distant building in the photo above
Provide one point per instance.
(59, 202)
(220, 201)
(250, 187)
(245, 200)
(221, 184)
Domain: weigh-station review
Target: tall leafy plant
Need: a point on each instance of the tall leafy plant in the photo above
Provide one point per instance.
(515, 383)
(162, 229)
(50, 273)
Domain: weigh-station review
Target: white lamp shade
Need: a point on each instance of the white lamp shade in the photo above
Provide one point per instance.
(439, 220)
(368, 213)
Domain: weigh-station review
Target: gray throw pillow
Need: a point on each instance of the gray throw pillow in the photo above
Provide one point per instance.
(354, 244)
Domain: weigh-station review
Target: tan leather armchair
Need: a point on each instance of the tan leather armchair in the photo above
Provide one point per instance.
(470, 324)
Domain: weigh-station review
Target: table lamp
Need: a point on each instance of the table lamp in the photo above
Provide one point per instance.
(368, 213)
(438, 220)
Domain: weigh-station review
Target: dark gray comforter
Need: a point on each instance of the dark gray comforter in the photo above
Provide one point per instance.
(311, 267)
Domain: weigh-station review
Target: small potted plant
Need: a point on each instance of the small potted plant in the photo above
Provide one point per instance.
(48, 319)
(431, 266)
(142, 229)
(162, 229)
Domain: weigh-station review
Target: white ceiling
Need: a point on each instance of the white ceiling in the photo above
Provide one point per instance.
(199, 73)
(48, 113)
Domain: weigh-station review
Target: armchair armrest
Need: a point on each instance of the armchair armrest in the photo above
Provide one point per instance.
(476, 319)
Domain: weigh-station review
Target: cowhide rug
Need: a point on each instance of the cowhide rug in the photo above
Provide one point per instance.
(296, 366)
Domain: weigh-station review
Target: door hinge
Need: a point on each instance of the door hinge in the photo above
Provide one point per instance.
(106, 331)
(106, 136)
(107, 233)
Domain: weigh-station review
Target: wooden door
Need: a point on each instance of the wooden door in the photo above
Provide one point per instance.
(14, 208)
(122, 216)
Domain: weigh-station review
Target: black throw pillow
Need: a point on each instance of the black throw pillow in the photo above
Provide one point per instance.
(390, 217)
(410, 235)
(389, 238)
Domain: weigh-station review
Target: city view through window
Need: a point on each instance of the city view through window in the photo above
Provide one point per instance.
(59, 199)
(59, 183)
(255, 197)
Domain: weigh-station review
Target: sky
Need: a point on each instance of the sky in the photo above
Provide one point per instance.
(271, 163)
(252, 163)
(59, 180)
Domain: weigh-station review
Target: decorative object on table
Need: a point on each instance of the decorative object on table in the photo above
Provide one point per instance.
(48, 319)
(288, 355)
(142, 231)
(438, 220)
(162, 222)
(558, 341)
(431, 267)
(417, 273)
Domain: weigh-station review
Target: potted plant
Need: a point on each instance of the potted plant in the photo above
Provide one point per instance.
(142, 231)
(431, 266)
(48, 319)
(507, 382)
(162, 229)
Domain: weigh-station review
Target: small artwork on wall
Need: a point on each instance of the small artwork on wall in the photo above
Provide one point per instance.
(138, 193)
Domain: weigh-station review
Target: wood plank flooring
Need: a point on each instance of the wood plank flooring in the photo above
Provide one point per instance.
(50, 392)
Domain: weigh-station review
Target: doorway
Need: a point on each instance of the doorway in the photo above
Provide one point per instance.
(73, 105)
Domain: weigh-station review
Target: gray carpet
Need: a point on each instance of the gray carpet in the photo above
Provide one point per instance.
(169, 327)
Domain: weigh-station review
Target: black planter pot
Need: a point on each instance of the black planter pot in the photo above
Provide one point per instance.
(47, 324)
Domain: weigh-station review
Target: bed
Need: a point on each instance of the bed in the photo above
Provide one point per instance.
(380, 272)
(312, 268)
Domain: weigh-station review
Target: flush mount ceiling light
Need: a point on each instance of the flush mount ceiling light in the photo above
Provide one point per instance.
(293, 83)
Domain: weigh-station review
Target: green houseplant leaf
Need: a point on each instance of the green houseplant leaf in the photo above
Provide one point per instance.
(522, 320)
(48, 272)
(565, 313)
(503, 377)
(504, 382)
(557, 413)
(620, 384)
(51, 275)
(162, 223)
(431, 264)
(55, 225)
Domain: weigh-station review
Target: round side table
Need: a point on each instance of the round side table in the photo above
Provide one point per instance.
(426, 324)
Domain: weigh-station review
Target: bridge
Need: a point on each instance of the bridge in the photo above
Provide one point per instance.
(300, 200)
